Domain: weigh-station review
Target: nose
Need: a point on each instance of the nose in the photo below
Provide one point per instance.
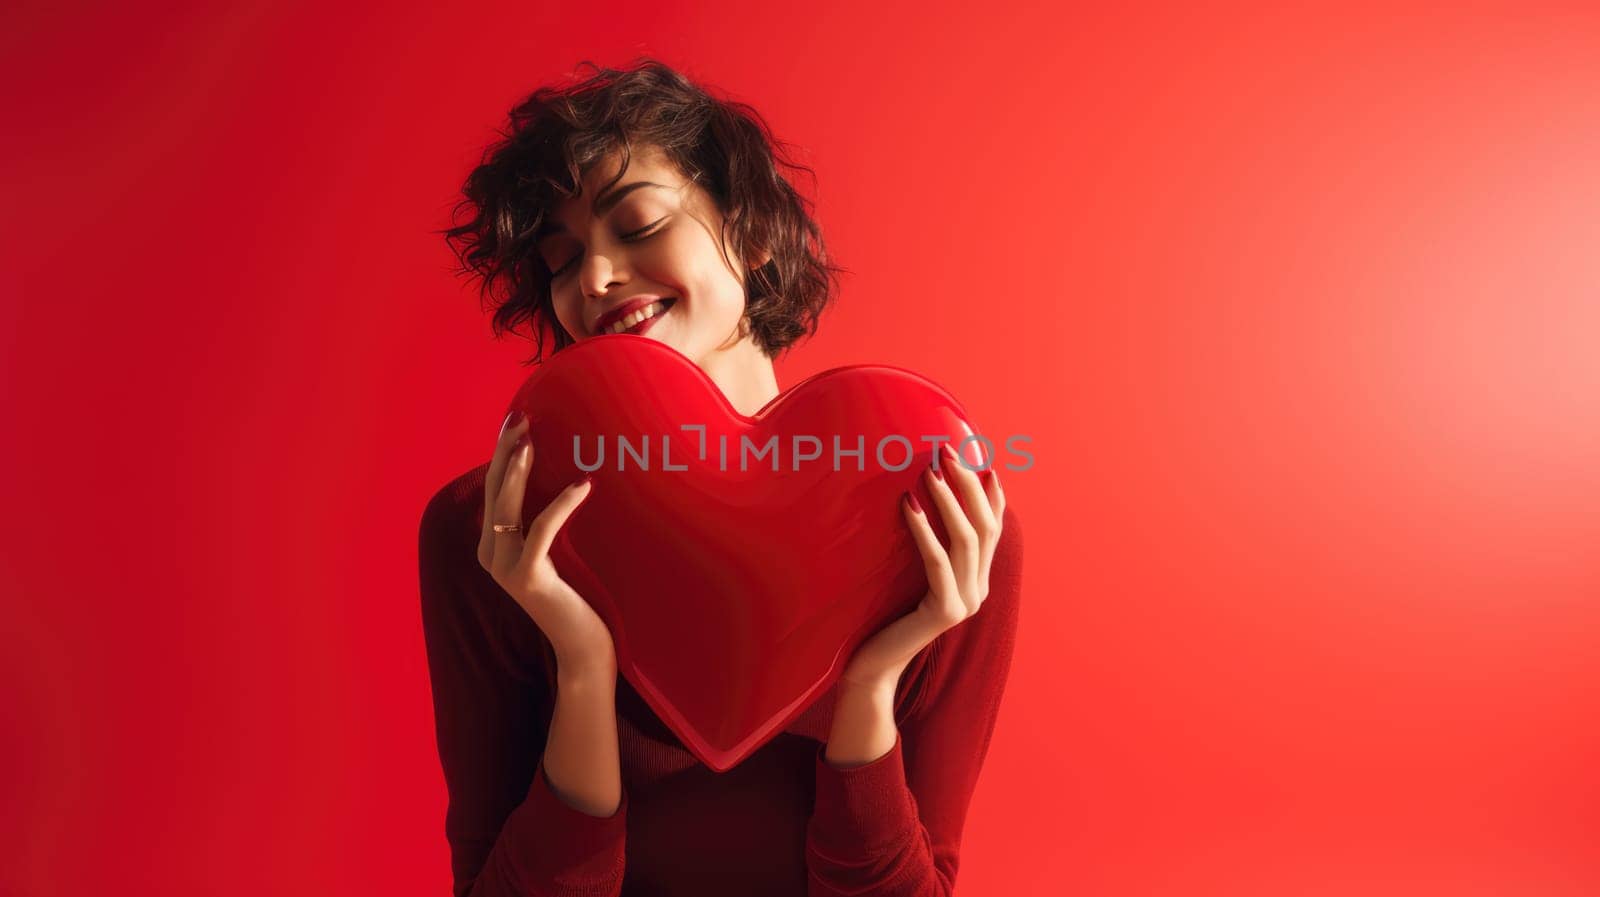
(596, 274)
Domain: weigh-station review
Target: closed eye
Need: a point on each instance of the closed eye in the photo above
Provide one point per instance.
(641, 234)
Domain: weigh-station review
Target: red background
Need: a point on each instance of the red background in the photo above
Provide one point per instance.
(1300, 309)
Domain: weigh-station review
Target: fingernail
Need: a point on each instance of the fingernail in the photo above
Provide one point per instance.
(587, 479)
(916, 506)
(937, 473)
(511, 420)
(953, 455)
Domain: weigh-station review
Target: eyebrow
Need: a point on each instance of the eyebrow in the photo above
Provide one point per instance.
(603, 203)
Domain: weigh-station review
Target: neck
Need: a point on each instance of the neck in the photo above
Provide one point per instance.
(744, 374)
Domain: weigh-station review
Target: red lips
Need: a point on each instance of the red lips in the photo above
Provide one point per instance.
(613, 315)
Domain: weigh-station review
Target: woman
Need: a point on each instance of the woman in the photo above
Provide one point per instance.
(636, 202)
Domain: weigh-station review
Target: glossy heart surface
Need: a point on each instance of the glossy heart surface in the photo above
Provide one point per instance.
(737, 560)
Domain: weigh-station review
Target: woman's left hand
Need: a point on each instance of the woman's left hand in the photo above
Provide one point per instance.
(958, 579)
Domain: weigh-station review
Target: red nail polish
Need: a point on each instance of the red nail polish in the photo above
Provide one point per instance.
(916, 506)
(937, 473)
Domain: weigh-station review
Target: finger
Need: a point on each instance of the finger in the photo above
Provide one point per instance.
(963, 538)
(542, 531)
(994, 499)
(985, 562)
(935, 560)
(997, 497)
(508, 504)
(492, 480)
(965, 482)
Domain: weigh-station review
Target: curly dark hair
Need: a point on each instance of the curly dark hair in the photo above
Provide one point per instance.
(559, 133)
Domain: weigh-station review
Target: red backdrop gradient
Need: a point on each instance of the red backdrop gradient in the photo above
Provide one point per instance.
(1300, 309)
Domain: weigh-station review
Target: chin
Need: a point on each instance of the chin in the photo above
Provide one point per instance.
(668, 342)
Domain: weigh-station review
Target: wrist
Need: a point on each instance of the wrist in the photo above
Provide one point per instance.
(586, 671)
(878, 689)
(863, 728)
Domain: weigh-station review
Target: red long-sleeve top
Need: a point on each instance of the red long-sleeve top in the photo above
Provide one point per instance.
(783, 822)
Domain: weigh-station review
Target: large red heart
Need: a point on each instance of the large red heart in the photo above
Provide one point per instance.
(735, 597)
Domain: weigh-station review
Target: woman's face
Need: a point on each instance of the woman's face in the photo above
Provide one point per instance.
(653, 235)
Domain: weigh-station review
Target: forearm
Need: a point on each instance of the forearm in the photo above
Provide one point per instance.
(865, 835)
(863, 725)
(581, 761)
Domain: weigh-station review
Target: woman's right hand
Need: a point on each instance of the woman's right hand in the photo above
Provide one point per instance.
(522, 567)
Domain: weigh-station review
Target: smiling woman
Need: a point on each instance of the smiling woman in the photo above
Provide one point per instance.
(635, 202)
(658, 156)
(648, 253)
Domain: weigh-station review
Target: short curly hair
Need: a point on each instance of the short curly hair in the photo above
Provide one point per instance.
(559, 133)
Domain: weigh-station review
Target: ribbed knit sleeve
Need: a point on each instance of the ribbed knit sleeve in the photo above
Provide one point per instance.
(508, 832)
(892, 828)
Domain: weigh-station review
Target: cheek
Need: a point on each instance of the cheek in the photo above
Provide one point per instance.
(568, 312)
(695, 266)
